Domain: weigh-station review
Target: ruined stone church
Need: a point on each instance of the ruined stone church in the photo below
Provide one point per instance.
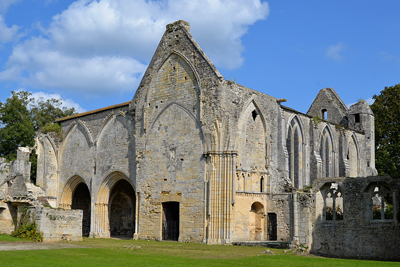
(197, 158)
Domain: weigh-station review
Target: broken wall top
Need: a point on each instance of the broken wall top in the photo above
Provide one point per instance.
(361, 107)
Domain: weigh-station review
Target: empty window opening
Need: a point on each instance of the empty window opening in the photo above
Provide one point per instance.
(295, 155)
(324, 114)
(262, 184)
(254, 114)
(326, 153)
(357, 118)
(333, 203)
(382, 203)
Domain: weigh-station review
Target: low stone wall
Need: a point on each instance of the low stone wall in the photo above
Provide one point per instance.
(59, 224)
(358, 235)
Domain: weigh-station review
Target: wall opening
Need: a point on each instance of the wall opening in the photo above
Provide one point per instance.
(382, 203)
(357, 118)
(170, 221)
(256, 221)
(324, 114)
(326, 153)
(333, 203)
(272, 227)
(81, 201)
(122, 209)
(254, 114)
(294, 143)
(262, 184)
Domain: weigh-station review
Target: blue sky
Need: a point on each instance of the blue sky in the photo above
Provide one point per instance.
(93, 53)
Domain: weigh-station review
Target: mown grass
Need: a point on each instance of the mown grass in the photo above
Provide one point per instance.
(8, 238)
(111, 252)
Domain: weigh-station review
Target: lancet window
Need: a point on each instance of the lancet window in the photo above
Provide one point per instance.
(326, 153)
(294, 146)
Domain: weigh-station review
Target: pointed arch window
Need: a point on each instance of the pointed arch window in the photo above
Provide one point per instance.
(294, 146)
(352, 156)
(326, 153)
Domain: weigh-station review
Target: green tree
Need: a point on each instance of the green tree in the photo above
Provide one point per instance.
(45, 112)
(16, 124)
(387, 130)
(21, 116)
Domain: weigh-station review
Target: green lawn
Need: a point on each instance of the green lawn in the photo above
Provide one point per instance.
(110, 252)
(8, 238)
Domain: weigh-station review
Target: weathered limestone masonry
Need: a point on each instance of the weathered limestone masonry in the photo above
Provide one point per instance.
(364, 230)
(18, 193)
(196, 158)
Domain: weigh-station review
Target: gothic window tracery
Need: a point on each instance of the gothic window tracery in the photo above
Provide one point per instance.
(382, 203)
(326, 153)
(294, 146)
(333, 203)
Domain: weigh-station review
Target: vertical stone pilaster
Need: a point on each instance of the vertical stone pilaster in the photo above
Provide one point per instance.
(221, 196)
(101, 224)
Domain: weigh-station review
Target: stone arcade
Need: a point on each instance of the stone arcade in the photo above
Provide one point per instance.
(196, 158)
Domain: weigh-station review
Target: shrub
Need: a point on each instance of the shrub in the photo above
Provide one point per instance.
(52, 127)
(25, 228)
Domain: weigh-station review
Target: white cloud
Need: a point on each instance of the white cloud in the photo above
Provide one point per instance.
(64, 102)
(4, 4)
(333, 51)
(7, 34)
(101, 46)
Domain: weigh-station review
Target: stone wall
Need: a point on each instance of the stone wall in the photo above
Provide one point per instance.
(212, 152)
(59, 224)
(358, 234)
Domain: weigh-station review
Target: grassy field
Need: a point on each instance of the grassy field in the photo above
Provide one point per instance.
(112, 252)
(8, 238)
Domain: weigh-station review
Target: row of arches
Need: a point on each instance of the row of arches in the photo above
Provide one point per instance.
(378, 198)
(296, 149)
(116, 197)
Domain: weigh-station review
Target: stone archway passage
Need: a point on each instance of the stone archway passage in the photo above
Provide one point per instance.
(122, 209)
(81, 201)
(170, 224)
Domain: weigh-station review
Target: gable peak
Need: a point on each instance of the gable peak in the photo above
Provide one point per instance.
(178, 24)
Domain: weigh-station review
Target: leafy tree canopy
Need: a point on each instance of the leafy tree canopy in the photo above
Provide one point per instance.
(387, 130)
(21, 116)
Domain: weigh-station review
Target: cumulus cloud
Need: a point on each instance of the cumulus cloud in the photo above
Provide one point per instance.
(333, 51)
(103, 46)
(64, 102)
(7, 34)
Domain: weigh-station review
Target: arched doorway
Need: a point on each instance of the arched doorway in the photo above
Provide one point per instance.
(121, 208)
(257, 221)
(81, 201)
